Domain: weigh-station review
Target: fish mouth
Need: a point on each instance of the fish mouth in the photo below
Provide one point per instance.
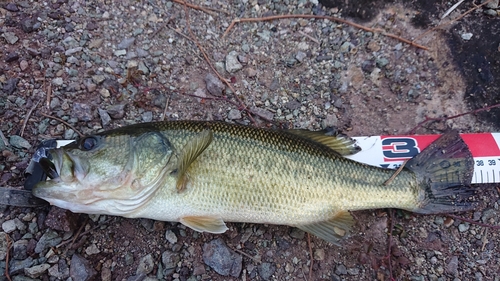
(60, 165)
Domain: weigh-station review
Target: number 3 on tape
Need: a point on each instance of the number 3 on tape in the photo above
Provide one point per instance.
(400, 148)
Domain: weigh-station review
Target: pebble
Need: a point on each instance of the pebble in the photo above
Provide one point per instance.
(13, 56)
(214, 85)
(28, 24)
(105, 118)
(251, 72)
(266, 270)
(341, 270)
(221, 258)
(171, 237)
(117, 111)
(11, 7)
(466, 36)
(120, 53)
(319, 254)
(19, 142)
(11, 86)
(126, 43)
(463, 227)
(80, 269)
(297, 233)
(10, 37)
(492, 4)
(72, 51)
(19, 249)
(234, 114)
(92, 249)
(300, 56)
(57, 81)
(37, 270)
(232, 63)
(169, 261)
(82, 111)
(9, 226)
(18, 266)
(146, 265)
(49, 239)
(3, 245)
(23, 65)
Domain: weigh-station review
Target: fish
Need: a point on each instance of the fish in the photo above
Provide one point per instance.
(206, 173)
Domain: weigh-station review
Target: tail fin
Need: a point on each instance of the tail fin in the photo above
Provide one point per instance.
(444, 171)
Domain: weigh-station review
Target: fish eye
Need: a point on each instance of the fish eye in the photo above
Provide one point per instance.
(88, 143)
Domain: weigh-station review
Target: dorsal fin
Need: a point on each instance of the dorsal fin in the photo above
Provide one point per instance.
(342, 144)
(188, 155)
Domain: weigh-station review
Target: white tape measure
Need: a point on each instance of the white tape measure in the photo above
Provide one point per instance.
(392, 151)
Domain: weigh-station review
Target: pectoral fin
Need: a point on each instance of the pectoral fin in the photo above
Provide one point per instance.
(189, 153)
(205, 224)
(332, 230)
(342, 144)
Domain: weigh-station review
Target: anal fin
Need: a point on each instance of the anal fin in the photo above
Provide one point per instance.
(332, 230)
(210, 224)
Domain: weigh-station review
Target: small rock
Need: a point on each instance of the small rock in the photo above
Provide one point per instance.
(300, 56)
(92, 249)
(72, 51)
(221, 258)
(341, 270)
(120, 52)
(49, 239)
(80, 269)
(98, 79)
(28, 24)
(232, 63)
(234, 114)
(353, 271)
(147, 116)
(23, 65)
(10, 37)
(3, 245)
(105, 118)
(492, 4)
(13, 56)
(297, 233)
(19, 142)
(146, 265)
(57, 81)
(490, 12)
(274, 85)
(20, 249)
(169, 260)
(452, 266)
(9, 226)
(11, 7)
(37, 270)
(319, 254)
(330, 121)
(251, 72)
(82, 111)
(266, 270)
(11, 86)
(96, 43)
(117, 111)
(17, 266)
(126, 43)
(105, 93)
(214, 85)
(264, 113)
(264, 35)
(170, 236)
(466, 36)
(463, 227)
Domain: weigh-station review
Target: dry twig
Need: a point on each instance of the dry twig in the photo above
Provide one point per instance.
(335, 19)
(28, 117)
(396, 173)
(7, 255)
(203, 9)
(64, 122)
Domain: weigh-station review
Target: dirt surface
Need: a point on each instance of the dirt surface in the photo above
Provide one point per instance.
(104, 64)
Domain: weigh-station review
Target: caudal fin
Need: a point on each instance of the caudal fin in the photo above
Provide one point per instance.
(444, 171)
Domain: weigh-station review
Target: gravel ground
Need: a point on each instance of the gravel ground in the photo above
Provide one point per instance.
(103, 64)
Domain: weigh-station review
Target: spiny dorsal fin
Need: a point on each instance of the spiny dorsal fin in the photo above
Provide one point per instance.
(332, 230)
(342, 144)
(189, 153)
(205, 224)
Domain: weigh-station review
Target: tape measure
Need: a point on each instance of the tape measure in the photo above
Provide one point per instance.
(391, 151)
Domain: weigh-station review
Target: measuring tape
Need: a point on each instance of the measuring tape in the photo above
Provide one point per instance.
(391, 151)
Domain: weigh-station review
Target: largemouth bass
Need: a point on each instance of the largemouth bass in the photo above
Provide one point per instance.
(204, 174)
